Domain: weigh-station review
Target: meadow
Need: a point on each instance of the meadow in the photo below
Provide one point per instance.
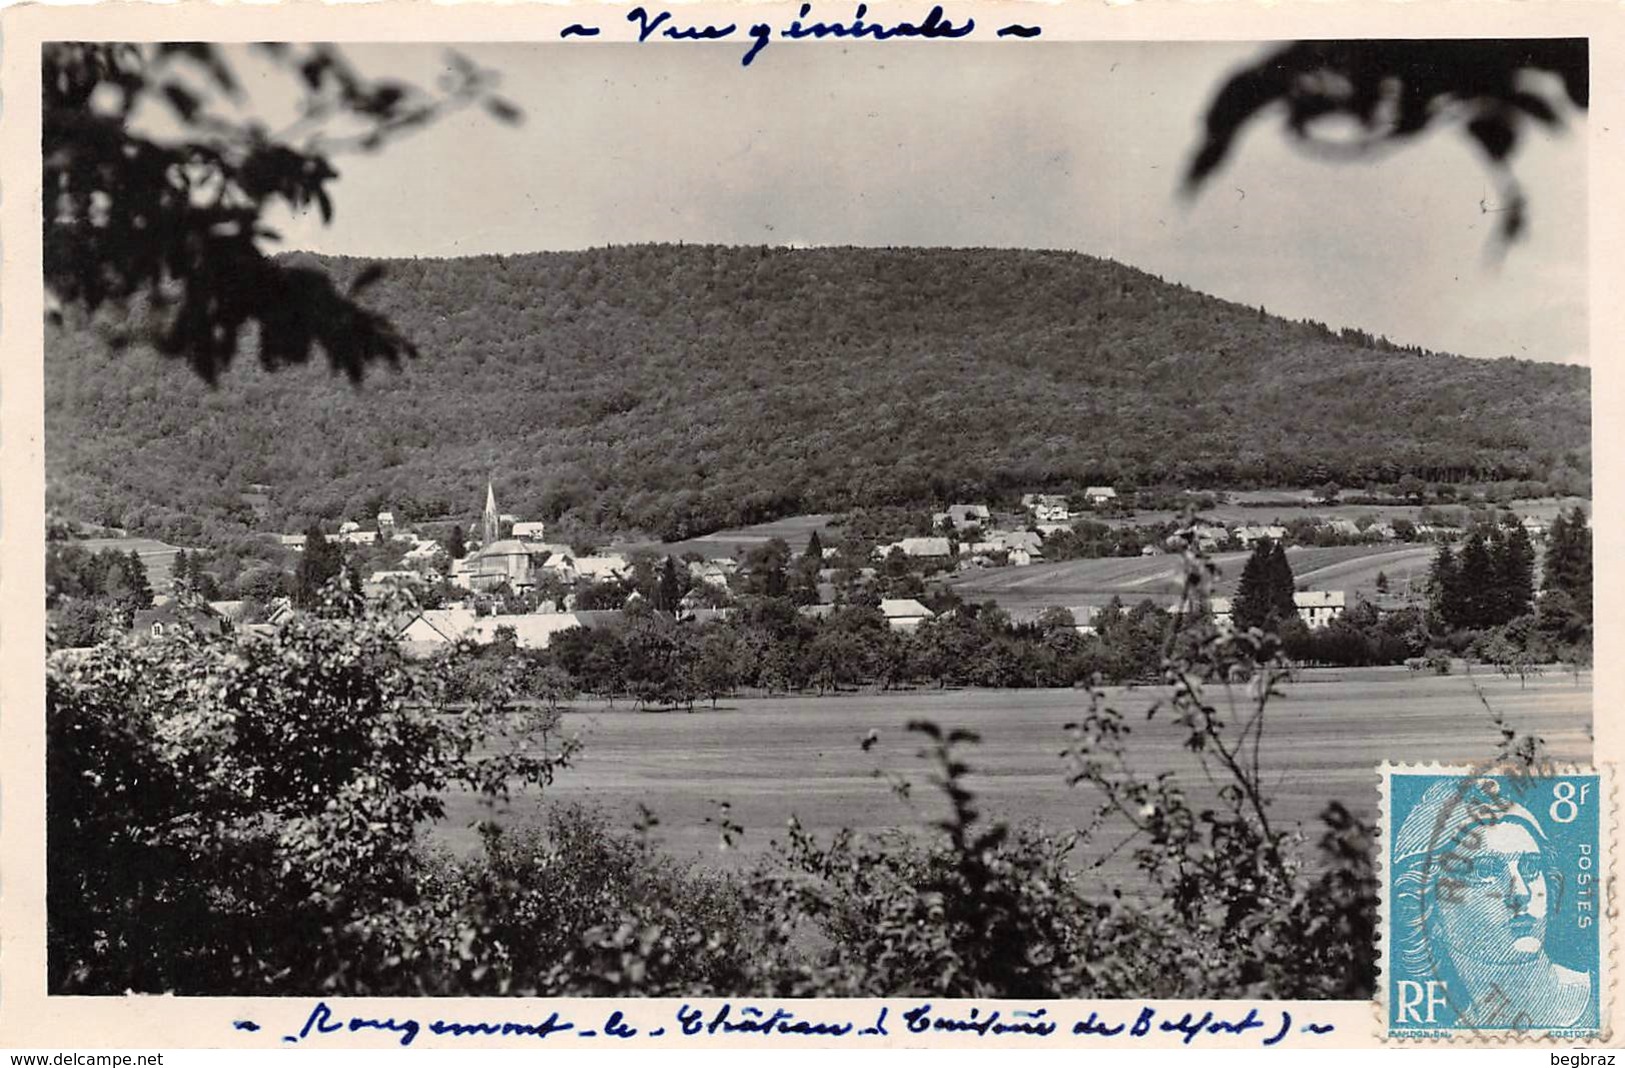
(1281, 505)
(156, 556)
(795, 530)
(777, 757)
(1351, 568)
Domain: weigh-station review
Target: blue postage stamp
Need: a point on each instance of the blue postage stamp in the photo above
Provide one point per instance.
(1494, 908)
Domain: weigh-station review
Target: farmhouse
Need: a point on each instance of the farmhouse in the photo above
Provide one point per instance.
(1246, 535)
(1098, 495)
(904, 613)
(921, 548)
(1318, 607)
(961, 515)
(1315, 607)
(381, 582)
(423, 550)
(530, 631)
(1048, 507)
(607, 566)
(713, 572)
(173, 617)
(432, 629)
(1025, 540)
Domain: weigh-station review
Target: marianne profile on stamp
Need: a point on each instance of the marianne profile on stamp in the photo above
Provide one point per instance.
(1481, 901)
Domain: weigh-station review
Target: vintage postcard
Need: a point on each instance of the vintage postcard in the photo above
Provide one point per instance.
(860, 525)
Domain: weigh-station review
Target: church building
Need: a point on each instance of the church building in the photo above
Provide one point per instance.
(500, 560)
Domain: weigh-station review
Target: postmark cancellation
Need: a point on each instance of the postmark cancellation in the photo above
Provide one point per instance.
(1495, 902)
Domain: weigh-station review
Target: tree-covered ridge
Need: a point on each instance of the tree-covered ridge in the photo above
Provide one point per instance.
(678, 389)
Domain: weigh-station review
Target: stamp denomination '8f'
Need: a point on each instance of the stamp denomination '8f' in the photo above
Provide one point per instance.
(1494, 902)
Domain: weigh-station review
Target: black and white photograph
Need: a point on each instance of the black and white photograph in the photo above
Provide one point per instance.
(863, 514)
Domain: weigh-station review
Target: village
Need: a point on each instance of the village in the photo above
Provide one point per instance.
(512, 581)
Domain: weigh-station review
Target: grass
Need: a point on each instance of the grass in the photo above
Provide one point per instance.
(1262, 507)
(1352, 568)
(795, 530)
(156, 556)
(770, 758)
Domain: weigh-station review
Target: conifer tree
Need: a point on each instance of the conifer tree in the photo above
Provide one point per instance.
(319, 564)
(1515, 568)
(668, 593)
(1477, 581)
(1282, 587)
(1568, 559)
(807, 569)
(135, 575)
(1444, 589)
(1251, 607)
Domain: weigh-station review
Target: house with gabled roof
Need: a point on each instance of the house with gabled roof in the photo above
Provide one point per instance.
(176, 616)
(904, 613)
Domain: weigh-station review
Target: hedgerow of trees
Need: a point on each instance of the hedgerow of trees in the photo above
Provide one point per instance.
(1482, 600)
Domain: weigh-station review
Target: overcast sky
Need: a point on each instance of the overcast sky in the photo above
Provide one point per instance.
(1016, 144)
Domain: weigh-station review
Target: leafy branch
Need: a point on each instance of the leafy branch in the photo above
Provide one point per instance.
(1395, 90)
(170, 226)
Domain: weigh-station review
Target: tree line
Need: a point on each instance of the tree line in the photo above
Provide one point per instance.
(92, 594)
(628, 390)
(1483, 599)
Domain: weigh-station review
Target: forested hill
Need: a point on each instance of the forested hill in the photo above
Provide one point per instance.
(678, 389)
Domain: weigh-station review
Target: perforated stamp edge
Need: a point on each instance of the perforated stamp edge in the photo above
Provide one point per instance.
(1607, 911)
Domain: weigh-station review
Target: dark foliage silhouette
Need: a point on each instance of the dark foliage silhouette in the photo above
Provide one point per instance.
(1396, 90)
(170, 224)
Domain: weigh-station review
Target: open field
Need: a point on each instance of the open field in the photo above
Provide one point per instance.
(156, 556)
(772, 758)
(1267, 506)
(1352, 568)
(795, 530)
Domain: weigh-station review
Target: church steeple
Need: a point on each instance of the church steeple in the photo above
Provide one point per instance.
(492, 527)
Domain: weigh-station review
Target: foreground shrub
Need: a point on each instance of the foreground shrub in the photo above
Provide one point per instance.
(238, 817)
